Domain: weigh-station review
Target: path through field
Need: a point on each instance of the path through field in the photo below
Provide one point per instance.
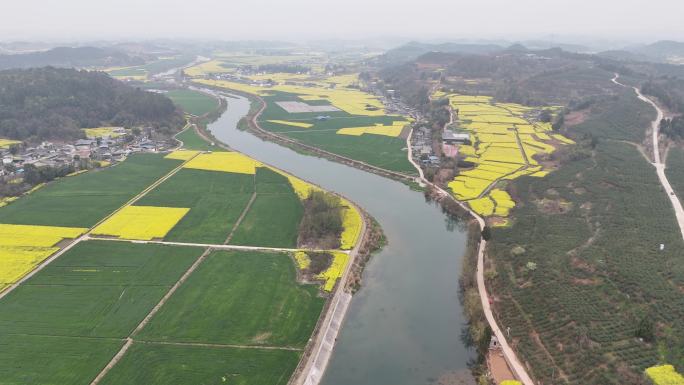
(659, 166)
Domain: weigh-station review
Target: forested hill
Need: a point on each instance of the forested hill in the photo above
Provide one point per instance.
(70, 57)
(53, 103)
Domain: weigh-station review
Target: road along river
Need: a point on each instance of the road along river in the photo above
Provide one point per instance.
(404, 325)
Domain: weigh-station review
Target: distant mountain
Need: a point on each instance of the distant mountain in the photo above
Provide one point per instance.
(622, 55)
(70, 57)
(662, 51)
(412, 50)
(543, 44)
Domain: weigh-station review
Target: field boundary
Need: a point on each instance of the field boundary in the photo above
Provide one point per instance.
(129, 340)
(242, 216)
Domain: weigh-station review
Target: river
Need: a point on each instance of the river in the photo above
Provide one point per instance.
(404, 326)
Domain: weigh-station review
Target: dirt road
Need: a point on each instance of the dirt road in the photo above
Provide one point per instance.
(657, 163)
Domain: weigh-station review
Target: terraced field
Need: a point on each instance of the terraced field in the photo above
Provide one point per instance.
(170, 310)
(508, 141)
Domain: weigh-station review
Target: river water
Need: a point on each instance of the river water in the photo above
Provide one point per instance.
(404, 325)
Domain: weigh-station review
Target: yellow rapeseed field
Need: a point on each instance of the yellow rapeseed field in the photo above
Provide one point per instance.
(394, 130)
(17, 261)
(352, 101)
(483, 206)
(508, 139)
(213, 66)
(302, 189)
(352, 223)
(36, 236)
(290, 123)
(303, 260)
(335, 271)
(5, 143)
(664, 375)
(181, 154)
(99, 132)
(22, 247)
(224, 161)
(141, 222)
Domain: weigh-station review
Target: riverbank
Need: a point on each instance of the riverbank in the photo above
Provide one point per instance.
(319, 349)
(402, 325)
(257, 130)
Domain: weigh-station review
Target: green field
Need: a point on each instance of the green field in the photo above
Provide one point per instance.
(46, 360)
(193, 102)
(152, 364)
(192, 141)
(216, 200)
(132, 71)
(377, 150)
(83, 200)
(244, 298)
(260, 227)
(675, 170)
(96, 289)
(155, 67)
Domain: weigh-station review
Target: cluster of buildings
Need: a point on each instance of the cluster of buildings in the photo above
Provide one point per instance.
(423, 145)
(48, 154)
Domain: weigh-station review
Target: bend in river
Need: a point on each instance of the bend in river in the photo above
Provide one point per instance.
(404, 325)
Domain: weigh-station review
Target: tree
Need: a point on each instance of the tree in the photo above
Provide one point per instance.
(56, 103)
(486, 233)
(645, 329)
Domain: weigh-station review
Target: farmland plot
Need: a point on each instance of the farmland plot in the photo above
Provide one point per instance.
(153, 364)
(97, 289)
(244, 298)
(84, 200)
(216, 200)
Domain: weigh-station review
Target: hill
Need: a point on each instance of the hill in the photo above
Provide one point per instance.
(70, 57)
(662, 51)
(53, 103)
(412, 50)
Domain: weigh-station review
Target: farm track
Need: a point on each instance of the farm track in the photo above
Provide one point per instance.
(657, 163)
(242, 216)
(217, 246)
(228, 346)
(129, 340)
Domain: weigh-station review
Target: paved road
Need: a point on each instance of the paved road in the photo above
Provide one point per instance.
(510, 356)
(657, 163)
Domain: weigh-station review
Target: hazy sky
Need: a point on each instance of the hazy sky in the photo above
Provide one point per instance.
(348, 19)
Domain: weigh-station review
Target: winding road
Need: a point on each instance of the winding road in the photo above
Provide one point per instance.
(510, 356)
(657, 163)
